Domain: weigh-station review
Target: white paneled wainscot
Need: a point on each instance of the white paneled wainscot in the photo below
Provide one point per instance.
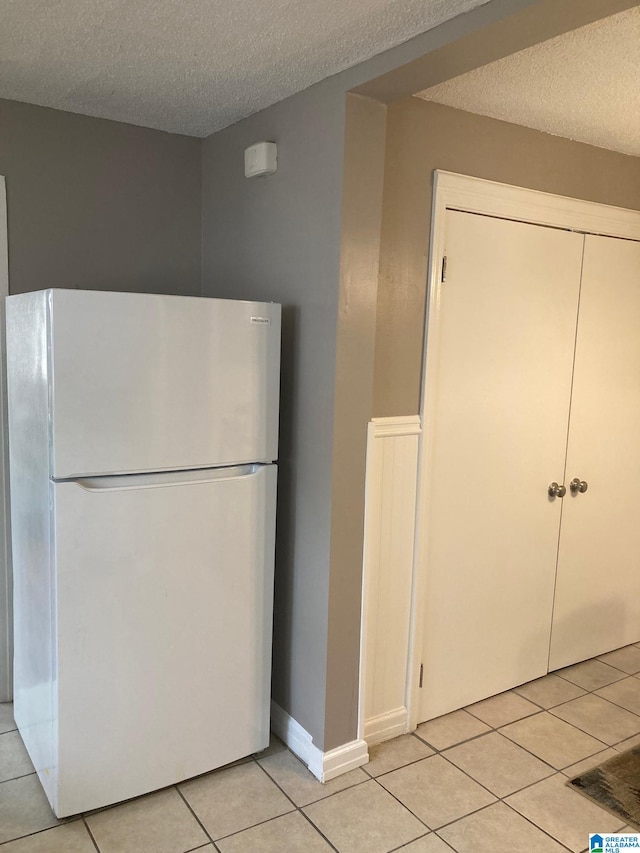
(390, 509)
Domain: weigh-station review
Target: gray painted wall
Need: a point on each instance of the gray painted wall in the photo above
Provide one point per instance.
(279, 238)
(98, 204)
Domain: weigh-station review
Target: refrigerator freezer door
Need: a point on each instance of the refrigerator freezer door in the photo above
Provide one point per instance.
(164, 610)
(142, 382)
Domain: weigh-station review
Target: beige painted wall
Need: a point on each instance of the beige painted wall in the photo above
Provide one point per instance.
(423, 136)
(361, 220)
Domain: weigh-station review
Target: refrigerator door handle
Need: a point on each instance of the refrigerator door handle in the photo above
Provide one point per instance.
(125, 482)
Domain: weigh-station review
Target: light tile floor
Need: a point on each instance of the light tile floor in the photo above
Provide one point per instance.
(486, 779)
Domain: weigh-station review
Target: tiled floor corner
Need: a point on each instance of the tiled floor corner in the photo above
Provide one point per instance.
(486, 779)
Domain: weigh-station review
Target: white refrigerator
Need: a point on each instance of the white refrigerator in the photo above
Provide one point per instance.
(143, 436)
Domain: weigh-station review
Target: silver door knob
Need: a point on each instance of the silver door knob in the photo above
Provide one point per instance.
(577, 485)
(556, 491)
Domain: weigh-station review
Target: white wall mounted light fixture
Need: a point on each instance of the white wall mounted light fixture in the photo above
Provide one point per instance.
(260, 159)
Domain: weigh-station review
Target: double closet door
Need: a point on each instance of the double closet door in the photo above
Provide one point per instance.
(537, 381)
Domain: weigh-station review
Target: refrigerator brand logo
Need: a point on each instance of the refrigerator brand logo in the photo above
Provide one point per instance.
(261, 321)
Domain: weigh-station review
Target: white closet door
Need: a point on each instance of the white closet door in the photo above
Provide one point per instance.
(500, 368)
(597, 604)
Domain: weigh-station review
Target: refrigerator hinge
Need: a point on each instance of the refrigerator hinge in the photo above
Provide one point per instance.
(443, 277)
(421, 674)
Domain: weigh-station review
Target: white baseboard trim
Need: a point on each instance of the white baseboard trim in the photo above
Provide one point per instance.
(386, 726)
(340, 760)
(323, 765)
(291, 732)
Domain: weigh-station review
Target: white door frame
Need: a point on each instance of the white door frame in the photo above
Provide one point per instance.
(476, 195)
(6, 610)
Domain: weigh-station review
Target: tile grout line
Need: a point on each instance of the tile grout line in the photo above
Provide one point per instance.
(458, 743)
(88, 828)
(263, 822)
(404, 805)
(278, 786)
(61, 822)
(315, 828)
(320, 799)
(535, 825)
(298, 808)
(188, 805)
(608, 745)
(413, 841)
(393, 769)
(295, 808)
(513, 690)
(22, 776)
(575, 684)
(559, 769)
(540, 707)
(554, 772)
(556, 705)
(610, 701)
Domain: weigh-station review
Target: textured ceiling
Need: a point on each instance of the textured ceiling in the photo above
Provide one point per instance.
(193, 66)
(584, 85)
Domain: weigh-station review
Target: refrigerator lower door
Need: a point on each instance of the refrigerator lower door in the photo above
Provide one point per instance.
(163, 612)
